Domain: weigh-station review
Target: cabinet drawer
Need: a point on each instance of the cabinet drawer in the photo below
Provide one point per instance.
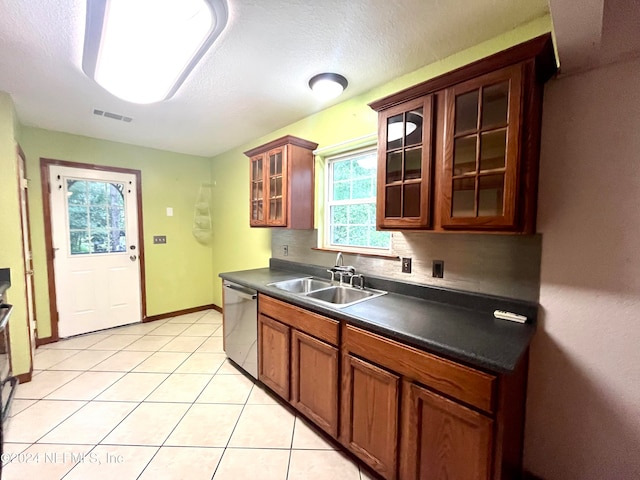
(311, 323)
(458, 381)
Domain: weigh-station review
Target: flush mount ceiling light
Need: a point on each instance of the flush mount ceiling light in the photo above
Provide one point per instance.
(142, 50)
(328, 85)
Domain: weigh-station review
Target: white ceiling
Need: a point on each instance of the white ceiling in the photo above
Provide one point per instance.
(254, 78)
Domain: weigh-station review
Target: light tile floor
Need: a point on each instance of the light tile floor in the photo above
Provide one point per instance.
(157, 401)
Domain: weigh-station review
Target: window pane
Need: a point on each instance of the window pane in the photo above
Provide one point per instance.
(342, 170)
(411, 200)
(362, 188)
(413, 127)
(117, 241)
(99, 241)
(339, 214)
(395, 131)
(393, 201)
(79, 242)
(413, 164)
(339, 235)
(394, 167)
(351, 206)
(116, 217)
(464, 194)
(359, 214)
(341, 191)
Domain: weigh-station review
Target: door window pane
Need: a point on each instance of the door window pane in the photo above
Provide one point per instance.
(413, 127)
(395, 132)
(493, 146)
(413, 164)
(394, 167)
(96, 213)
(495, 105)
(464, 194)
(467, 111)
(411, 205)
(490, 195)
(464, 155)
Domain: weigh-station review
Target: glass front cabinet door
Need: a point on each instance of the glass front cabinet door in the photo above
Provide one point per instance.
(404, 165)
(481, 151)
(280, 170)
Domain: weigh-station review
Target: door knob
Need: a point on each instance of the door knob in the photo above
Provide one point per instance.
(133, 258)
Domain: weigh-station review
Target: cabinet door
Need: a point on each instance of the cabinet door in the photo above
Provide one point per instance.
(404, 165)
(369, 423)
(314, 372)
(276, 187)
(482, 152)
(273, 360)
(443, 440)
(257, 192)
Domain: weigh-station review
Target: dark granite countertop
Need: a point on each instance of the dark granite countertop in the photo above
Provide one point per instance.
(456, 325)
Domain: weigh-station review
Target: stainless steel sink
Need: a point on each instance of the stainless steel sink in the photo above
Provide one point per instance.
(341, 296)
(324, 291)
(301, 285)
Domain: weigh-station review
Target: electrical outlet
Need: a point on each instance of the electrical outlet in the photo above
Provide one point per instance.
(285, 250)
(437, 270)
(159, 239)
(406, 265)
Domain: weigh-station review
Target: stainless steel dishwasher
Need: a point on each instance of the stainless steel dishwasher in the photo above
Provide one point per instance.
(240, 326)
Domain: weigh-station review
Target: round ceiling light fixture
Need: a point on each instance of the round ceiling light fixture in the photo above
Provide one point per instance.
(328, 85)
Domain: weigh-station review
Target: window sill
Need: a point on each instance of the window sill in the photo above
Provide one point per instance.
(363, 253)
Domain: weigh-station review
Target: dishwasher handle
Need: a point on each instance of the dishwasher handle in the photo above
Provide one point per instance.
(242, 292)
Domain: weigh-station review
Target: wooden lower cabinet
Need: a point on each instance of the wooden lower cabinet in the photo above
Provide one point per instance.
(370, 410)
(274, 355)
(443, 440)
(314, 389)
(406, 413)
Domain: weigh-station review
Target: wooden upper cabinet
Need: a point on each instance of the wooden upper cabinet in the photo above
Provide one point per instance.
(483, 120)
(404, 165)
(281, 190)
(480, 175)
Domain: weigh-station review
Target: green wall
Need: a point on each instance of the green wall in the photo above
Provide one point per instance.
(340, 123)
(179, 274)
(11, 236)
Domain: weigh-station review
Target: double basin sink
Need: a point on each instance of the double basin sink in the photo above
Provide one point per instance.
(324, 291)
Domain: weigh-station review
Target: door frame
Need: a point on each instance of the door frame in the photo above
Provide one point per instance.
(28, 277)
(45, 164)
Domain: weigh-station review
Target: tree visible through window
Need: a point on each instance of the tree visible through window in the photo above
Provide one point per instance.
(351, 202)
(96, 217)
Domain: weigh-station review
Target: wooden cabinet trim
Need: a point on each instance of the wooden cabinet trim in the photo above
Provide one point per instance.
(278, 379)
(539, 48)
(468, 385)
(313, 324)
(322, 405)
(279, 142)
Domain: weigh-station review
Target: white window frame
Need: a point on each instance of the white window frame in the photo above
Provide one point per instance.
(329, 202)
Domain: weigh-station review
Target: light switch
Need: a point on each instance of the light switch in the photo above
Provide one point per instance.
(159, 239)
(169, 212)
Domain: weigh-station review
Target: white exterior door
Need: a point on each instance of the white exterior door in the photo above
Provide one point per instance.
(95, 240)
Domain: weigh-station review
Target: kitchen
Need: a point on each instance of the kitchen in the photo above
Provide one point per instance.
(583, 370)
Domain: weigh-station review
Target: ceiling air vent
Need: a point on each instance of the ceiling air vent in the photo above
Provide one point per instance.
(114, 116)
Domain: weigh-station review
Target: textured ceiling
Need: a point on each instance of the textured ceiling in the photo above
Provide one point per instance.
(254, 78)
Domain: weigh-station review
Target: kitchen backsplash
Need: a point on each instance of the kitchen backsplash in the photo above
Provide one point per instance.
(504, 265)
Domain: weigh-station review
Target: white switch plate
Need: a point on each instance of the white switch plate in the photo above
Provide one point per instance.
(169, 212)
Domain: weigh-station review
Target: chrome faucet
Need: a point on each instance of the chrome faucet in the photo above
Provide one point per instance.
(341, 269)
